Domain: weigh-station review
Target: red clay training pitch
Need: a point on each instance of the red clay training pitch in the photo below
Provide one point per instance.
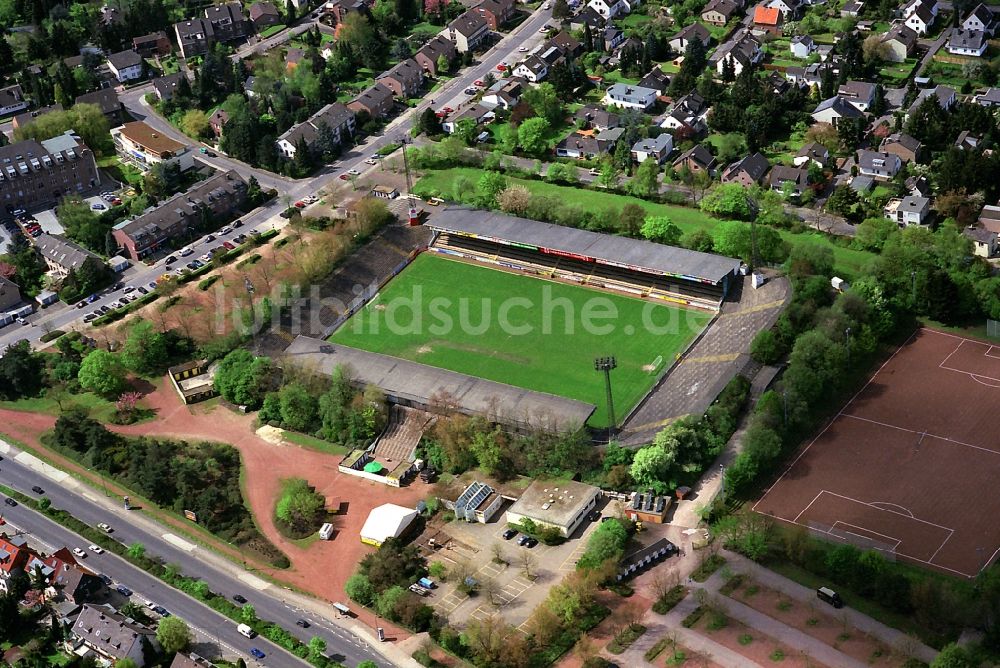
(911, 462)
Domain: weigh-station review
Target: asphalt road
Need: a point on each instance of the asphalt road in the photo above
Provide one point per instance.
(22, 471)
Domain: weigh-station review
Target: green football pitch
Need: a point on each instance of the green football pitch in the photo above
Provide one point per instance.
(529, 332)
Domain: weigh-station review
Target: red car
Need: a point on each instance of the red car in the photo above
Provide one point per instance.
(447, 110)
(441, 114)
(300, 205)
(502, 67)
(479, 82)
(343, 177)
(228, 245)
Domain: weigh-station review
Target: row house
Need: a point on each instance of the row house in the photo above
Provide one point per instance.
(377, 101)
(405, 79)
(432, 53)
(468, 31)
(154, 44)
(335, 116)
(496, 12)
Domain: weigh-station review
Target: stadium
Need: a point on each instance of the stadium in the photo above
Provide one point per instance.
(505, 316)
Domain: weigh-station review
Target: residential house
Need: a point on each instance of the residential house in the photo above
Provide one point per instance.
(656, 79)
(679, 42)
(879, 166)
(154, 44)
(10, 296)
(228, 22)
(967, 141)
(164, 87)
(860, 94)
(910, 210)
(142, 146)
(629, 97)
(982, 19)
(984, 242)
(790, 180)
(767, 20)
(36, 174)
(789, 8)
(263, 15)
(989, 218)
(943, 94)
(812, 153)
(970, 43)
(27, 117)
(468, 31)
(503, 94)
(532, 69)
(610, 9)
(496, 12)
(107, 101)
(76, 584)
(748, 171)
(127, 65)
(653, 149)
(587, 145)
(688, 116)
(377, 101)
(835, 108)
(12, 100)
(335, 116)
(720, 12)
(338, 10)
(405, 79)
(901, 41)
(989, 98)
(14, 550)
(431, 53)
(477, 113)
(851, 8)
(802, 46)
(587, 17)
(217, 122)
(62, 255)
(696, 159)
(902, 145)
(570, 46)
(194, 37)
(221, 195)
(920, 19)
(190, 661)
(742, 49)
(919, 185)
(613, 38)
(113, 637)
(596, 118)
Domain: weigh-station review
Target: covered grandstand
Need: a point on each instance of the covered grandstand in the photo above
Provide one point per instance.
(418, 385)
(632, 266)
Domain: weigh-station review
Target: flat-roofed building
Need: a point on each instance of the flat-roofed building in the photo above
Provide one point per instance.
(562, 505)
(142, 146)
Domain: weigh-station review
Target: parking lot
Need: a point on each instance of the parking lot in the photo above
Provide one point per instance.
(518, 587)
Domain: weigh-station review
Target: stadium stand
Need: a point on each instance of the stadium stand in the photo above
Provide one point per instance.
(640, 268)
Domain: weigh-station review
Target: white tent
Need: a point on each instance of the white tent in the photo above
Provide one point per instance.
(386, 521)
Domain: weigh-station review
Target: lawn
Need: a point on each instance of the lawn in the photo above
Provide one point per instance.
(522, 331)
(313, 443)
(848, 262)
(97, 407)
(273, 30)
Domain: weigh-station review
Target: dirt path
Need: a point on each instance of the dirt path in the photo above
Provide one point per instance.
(320, 568)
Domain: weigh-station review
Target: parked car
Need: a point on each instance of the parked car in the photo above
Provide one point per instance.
(300, 205)
(170, 260)
(237, 223)
(128, 288)
(209, 237)
(89, 317)
(160, 610)
(97, 206)
(123, 590)
(371, 161)
(82, 304)
(342, 177)
(105, 527)
(354, 172)
(225, 230)
(10, 502)
(151, 285)
(509, 533)
(185, 252)
(229, 245)
(106, 579)
(79, 552)
(522, 49)
(531, 542)
(37, 490)
(479, 83)
(96, 549)
(142, 290)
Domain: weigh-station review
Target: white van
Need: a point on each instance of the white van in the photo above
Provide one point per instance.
(326, 531)
(246, 631)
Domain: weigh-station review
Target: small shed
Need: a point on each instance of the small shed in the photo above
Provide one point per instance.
(119, 263)
(46, 297)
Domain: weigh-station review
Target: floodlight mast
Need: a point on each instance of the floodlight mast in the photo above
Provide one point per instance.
(606, 364)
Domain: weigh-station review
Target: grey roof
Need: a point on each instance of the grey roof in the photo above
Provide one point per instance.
(124, 59)
(629, 93)
(419, 382)
(375, 95)
(862, 183)
(105, 98)
(983, 13)
(166, 85)
(534, 64)
(755, 166)
(407, 72)
(11, 95)
(814, 151)
(29, 116)
(980, 234)
(913, 204)
(651, 257)
(839, 106)
(111, 633)
(656, 79)
(62, 251)
(861, 90)
(694, 31)
(437, 47)
(469, 23)
(991, 96)
(805, 40)
(554, 502)
(781, 174)
(190, 29)
(904, 140)
(698, 154)
(876, 161)
(334, 115)
(903, 34)
(597, 116)
(653, 145)
(966, 39)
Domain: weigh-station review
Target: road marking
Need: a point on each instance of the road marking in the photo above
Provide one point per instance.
(36, 464)
(177, 541)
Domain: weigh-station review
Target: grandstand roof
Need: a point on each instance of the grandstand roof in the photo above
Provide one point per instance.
(419, 383)
(646, 255)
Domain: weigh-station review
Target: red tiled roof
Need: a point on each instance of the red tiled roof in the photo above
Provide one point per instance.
(766, 16)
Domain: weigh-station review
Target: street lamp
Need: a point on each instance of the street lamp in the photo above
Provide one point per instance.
(606, 364)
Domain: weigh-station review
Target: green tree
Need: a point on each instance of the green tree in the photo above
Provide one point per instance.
(507, 137)
(299, 506)
(632, 218)
(102, 373)
(954, 656)
(386, 602)
(21, 371)
(661, 230)
(126, 663)
(136, 550)
(317, 647)
(490, 185)
(87, 120)
(728, 200)
(248, 614)
(873, 233)
(646, 179)
(145, 350)
(531, 135)
(298, 407)
(360, 589)
(81, 223)
(652, 464)
(242, 378)
(466, 130)
(607, 542)
(765, 347)
(194, 124)
(732, 238)
(544, 101)
(173, 635)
